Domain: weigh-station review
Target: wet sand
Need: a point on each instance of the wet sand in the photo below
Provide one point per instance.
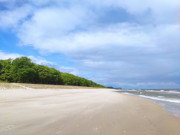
(27, 111)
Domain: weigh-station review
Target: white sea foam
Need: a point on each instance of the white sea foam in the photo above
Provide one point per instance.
(174, 92)
(158, 91)
(161, 90)
(162, 99)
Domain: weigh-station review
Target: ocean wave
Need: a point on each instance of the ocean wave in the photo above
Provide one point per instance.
(161, 99)
(156, 91)
(174, 92)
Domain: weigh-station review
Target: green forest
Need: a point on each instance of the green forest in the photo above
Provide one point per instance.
(23, 70)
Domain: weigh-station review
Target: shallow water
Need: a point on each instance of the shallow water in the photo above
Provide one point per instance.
(169, 98)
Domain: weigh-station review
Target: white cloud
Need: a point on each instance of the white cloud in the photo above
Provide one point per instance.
(49, 25)
(11, 18)
(139, 6)
(161, 10)
(4, 56)
(117, 35)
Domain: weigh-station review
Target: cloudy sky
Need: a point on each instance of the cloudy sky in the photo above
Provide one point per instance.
(120, 43)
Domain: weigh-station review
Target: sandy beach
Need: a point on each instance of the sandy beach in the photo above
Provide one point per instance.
(25, 110)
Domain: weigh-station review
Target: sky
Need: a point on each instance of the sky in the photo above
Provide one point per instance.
(120, 43)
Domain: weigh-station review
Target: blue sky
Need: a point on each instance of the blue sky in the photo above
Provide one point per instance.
(128, 44)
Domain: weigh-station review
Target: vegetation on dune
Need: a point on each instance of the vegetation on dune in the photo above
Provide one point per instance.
(22, 70)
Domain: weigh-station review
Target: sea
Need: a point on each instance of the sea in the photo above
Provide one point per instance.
(169, 98)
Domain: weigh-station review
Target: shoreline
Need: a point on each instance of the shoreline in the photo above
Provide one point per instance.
(82, 112)
(171, 105)
(151, 100)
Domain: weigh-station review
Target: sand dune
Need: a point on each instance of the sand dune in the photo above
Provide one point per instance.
(81, 112)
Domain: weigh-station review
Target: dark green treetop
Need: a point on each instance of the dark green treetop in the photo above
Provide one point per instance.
(23, 70)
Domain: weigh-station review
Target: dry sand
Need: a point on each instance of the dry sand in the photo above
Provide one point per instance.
(27, 111)
(40, 86)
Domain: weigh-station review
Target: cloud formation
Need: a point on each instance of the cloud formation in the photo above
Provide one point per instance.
(4, 56)
(141, 50)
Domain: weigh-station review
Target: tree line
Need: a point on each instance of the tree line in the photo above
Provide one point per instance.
(23, 70)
